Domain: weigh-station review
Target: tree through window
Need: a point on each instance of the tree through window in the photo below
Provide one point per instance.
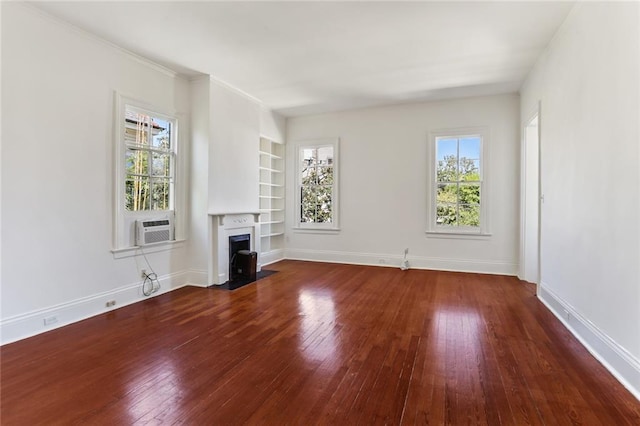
(317, 185)
(458, 185)
(149, 161)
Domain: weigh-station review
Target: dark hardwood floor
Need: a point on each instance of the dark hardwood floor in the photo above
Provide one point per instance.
(318, 344)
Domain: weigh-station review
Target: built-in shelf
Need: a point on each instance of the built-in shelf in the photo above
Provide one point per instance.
(271, 171)
(273, 234)
(268, 154)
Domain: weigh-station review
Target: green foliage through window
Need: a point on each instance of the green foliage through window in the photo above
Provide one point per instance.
(316, 185)
(148, 162)
(458, 181)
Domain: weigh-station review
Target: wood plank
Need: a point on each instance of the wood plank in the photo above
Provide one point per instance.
(318, 344)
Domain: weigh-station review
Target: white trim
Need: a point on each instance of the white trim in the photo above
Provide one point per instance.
(149, 248)
(458, 235)
(198, 278)
(534, 112)
(317, 143)
(32, 323)
(271, 256)
(620, 362)
(121, 233)
(496, 267)
(299, 230)
(485, 225)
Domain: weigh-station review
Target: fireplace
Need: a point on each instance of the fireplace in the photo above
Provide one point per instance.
(240, 257)
(229, 233)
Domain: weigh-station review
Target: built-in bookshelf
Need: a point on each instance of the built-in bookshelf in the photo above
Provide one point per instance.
(271, 200)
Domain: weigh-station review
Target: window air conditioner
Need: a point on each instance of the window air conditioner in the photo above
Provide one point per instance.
(154, 231)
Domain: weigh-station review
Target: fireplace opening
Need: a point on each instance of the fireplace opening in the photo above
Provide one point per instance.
(242, 261)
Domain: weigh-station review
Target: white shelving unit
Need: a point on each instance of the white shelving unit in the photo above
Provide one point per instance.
(271, 201)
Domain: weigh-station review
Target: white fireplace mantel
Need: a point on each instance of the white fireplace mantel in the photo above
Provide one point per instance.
(221, 227)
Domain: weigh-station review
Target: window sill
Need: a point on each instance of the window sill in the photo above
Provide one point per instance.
(459, 235)
(122, 253)
(316, 230)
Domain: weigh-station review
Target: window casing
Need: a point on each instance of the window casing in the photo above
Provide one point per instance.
(317, 185)
(146, 158)
(457, 190)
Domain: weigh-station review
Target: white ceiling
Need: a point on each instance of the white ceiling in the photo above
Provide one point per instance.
(309, 57)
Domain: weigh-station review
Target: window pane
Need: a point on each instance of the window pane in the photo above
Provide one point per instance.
(325, 175)
(325, 155)
(447, 193)
(136, 193)
(308, 207)
(161, 164)
(309, 156)
(136, 127)
(470, 215)
(446, 215)
(446, 147)
(137, 162)
(324, 204)
(469, 194)
(309, 176)
(469, 170)
(161, 130)
(447, 159)
(160, 194)
(470, 147)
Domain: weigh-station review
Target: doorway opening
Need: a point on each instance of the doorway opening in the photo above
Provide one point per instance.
(531, 200)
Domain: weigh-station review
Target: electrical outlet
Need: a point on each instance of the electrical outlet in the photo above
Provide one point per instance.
(110, 303)
(143, 274)
(50, 320)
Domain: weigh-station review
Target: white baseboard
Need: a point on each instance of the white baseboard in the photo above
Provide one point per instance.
(33, 323)
(415, 262)
(198, 278)
(270, 257)
(624, 366)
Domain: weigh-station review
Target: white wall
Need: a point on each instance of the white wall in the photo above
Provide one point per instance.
(58, 88)
(226, 127)
(383, 185)
(272, 125)
(588, 85)
(199, 178)
(233, 151)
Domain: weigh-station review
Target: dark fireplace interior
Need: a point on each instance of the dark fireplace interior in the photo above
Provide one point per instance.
(237, 243)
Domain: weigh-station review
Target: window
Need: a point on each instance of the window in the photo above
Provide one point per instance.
(149, 160)
(458, 200)
(146, 153)
(317, 183)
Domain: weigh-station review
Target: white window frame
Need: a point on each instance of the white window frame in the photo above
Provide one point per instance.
(458, 231)
(124, 220)
(335, 199)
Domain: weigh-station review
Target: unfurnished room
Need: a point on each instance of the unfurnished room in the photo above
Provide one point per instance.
(293, 213)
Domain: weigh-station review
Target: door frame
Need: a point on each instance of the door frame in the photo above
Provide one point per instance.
(535, 112)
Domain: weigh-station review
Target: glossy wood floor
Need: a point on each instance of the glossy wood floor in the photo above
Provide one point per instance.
(318, 344)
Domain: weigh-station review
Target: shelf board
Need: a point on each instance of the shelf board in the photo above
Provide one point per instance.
(268, 154)
(275, 234)
(270, 170)
(271, 197)
(271, 210)
(272, 222)
(275, 185)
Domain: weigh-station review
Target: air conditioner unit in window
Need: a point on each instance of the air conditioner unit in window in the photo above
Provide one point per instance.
(151, 231)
